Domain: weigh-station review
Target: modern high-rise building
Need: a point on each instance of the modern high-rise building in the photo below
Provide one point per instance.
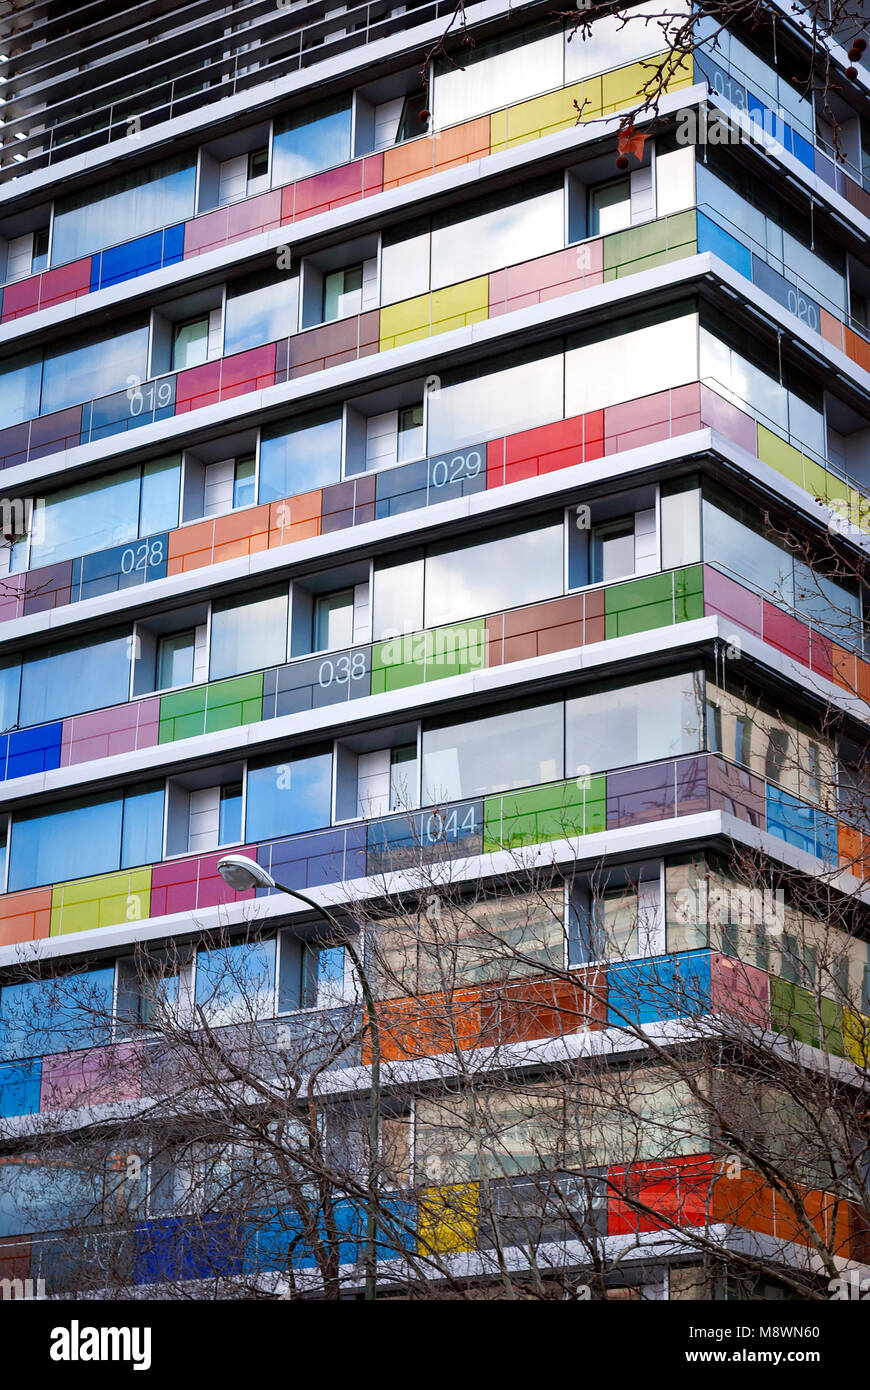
(450, 494)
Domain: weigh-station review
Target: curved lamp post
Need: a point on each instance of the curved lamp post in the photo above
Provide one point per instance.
(242, 873)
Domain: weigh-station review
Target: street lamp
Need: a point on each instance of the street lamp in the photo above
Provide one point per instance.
(242, 873)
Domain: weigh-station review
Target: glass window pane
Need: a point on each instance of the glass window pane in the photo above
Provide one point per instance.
(87, 517)
(611, 551)
(189, 344)
(499, 235)
(75, 840)
(230, 817)
(142, 839)
(631, 362)
(243, 482)
(333, 621)
(247, 636)
(175, 660)
(10, 686)
(20, 383)
(97, 368)
(289, 797)
(236, 983)
(342, 293)
(311, 140)
(634, 724)
(497, 73)
(398, 598)
(124, 208)
(610, 207)
(300, 457)
(611, 43)
(502, 573)
(260, 309)
(489, 402)
(161, 483)
(470, 759)
(72, 677)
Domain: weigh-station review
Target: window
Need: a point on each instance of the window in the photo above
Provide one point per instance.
(611, 551)
(289, 797)
(76, 839)
(94, 368)
(486, 402)
(513, 569)
(260, 309)
(300, 457)
(248, 635)
(412, 439)
(500, 72)
(619, 726)
(189, 344)
(244, 482)
(106, 512)
(610, 207)
(73, 676)
(470, 759)
(124, 208)
(175, 654)
(39, 1017)
(230, 814)
(308, 141)
(501, 233)
(342, 293)
(333, 621)
(612, 43)
(40, 251)
(258, 167)
(629, 361)
(398, 598)
(236, 983)
(147, 989)
(20, 385)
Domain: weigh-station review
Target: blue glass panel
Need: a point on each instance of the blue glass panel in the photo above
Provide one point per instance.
(803, 150)
(171, 1250)
(132, 258)
(712, 238)
(790, 819)
(34, 750)
(173, 244)
(641, 992)
(20, 1084)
